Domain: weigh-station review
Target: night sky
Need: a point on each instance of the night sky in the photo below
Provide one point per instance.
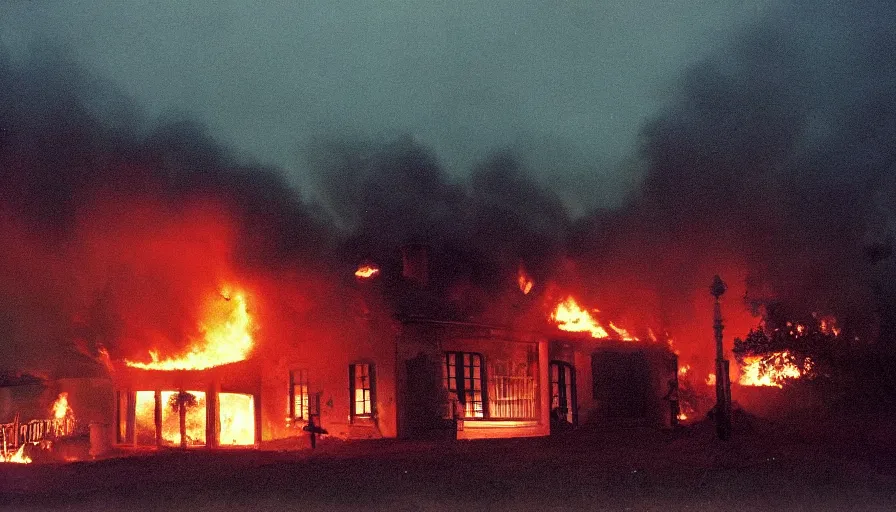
(568, 84)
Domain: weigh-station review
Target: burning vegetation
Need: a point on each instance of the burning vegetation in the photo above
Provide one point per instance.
(779, 351)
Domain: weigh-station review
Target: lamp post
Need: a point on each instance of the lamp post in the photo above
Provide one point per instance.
(723, 380)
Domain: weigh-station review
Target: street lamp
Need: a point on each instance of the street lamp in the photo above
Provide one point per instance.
(723, 380)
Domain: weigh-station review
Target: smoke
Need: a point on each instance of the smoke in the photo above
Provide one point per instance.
(385, 195)
(771, 164)
(122, 228)
(115, 229)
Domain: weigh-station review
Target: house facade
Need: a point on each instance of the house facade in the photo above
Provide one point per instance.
(437, 380)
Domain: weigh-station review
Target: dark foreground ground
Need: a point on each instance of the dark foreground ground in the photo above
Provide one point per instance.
(813, 465)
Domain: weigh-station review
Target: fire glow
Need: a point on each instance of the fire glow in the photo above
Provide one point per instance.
(524, 281)
(772, 369)
(226, 339)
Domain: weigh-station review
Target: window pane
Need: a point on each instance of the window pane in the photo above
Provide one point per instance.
(237, 416)
(299, 393)
(145, 409)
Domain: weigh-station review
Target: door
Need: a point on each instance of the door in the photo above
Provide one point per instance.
(564, 411)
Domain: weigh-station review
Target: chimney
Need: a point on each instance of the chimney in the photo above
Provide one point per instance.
(415, 263)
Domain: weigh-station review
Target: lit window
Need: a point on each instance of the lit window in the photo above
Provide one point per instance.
(298, 394)
(463, 377)
(361, 393)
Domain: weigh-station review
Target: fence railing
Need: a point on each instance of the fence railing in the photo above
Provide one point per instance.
(18, 433)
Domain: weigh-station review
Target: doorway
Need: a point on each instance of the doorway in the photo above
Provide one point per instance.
(564, 412)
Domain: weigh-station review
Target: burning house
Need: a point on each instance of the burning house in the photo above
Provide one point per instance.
(408, 376)
(220, 305)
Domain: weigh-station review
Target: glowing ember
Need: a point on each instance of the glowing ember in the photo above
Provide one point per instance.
(682, 416)
(828, 325)
(711, 379)
(682, 371)
(226, 339)
(524, 281)
(18, 457)
(367, 271)
(570, 317)
(772, 369)
(61, 408)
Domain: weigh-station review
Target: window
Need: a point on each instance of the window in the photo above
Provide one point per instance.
(463, 376)
(511, 390)
(360, 376)
(298, 394)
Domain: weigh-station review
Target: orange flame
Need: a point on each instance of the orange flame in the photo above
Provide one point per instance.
(772, 369)
(367, 271)
(226, 339)
(622, 333)
(60, 407)
(18, 457)
(524, 281)
(571, 318)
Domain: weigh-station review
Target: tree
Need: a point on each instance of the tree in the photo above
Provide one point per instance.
(180, 402)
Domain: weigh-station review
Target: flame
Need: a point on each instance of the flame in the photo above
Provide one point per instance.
(18, 457)
(711, 379)
(772, 369)
(622, 333)
(570, 317)
(237, 419)
(367, 271)
(61, 408)
(227, 339)
(524, 281)
(682, 416)
(682, 371)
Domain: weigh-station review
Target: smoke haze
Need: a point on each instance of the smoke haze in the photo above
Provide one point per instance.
(768, 160)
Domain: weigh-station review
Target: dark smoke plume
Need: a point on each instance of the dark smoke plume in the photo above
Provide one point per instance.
(772, 164)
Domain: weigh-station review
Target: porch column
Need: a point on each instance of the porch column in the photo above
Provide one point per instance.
(212, 404)
(544, 385)
(158, 418)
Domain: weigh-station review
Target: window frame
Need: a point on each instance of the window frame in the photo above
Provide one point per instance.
(369, 399)
(305, 406)
(571, 398)
(458, 386)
